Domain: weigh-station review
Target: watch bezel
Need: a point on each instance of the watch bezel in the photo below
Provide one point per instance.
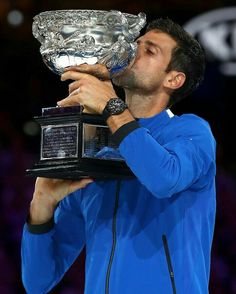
(111, 107)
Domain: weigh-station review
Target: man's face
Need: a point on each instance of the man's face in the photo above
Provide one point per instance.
(147, 72)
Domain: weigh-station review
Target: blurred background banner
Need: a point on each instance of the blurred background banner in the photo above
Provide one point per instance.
(26, 85)
(216, 31)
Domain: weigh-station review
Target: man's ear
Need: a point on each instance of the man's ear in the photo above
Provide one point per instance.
(174, 80)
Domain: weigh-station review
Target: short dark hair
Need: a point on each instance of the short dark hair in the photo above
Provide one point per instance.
(187, 57)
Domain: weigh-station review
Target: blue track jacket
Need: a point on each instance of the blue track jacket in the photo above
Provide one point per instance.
(151, 234)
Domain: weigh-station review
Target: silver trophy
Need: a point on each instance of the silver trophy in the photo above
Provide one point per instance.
(75, 144)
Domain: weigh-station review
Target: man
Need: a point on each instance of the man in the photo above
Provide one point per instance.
(151, 234)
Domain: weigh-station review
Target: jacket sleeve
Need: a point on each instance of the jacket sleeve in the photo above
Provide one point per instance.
(169, 168)
(46, 256)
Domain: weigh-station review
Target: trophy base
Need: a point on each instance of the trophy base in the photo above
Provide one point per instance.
(76, 145)
(76, 171)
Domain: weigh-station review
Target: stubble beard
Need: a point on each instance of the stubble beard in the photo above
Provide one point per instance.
(126, 80)
(134, 83)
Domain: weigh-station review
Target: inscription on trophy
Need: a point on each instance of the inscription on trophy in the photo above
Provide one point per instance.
(59, 141)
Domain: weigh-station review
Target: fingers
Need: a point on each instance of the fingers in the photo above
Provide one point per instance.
(74, 88)
(71, 100)
(75, 185)
(98, 70)
(73, 75)
(87, 90)
(56, 185)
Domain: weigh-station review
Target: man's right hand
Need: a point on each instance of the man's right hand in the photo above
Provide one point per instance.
(48, 193)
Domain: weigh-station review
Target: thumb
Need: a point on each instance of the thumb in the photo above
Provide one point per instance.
(75, 185)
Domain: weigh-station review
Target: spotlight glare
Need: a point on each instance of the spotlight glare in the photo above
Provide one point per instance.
(31, 128)
(15, 18)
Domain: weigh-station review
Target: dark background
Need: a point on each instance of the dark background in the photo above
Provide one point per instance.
(26, 85)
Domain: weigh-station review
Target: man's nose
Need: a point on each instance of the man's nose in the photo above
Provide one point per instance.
(139, 52)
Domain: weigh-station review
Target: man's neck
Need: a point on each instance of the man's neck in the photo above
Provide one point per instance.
(140, 106)
(144, 106)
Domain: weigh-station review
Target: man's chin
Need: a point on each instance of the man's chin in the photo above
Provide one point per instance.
(125, 80)
(125, 71)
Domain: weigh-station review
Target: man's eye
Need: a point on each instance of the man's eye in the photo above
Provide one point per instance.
(150, 51)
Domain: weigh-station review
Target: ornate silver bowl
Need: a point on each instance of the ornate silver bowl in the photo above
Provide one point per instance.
(73, 37)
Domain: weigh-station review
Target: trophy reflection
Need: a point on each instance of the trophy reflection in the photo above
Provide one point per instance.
(75, 144)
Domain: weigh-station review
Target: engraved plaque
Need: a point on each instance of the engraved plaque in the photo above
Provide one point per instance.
(59, 141)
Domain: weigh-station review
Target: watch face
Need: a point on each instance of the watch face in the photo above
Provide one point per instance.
(116, 106)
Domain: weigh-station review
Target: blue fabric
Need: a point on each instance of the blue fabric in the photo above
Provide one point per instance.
(173, 195)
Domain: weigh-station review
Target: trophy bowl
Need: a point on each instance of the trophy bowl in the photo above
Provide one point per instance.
(75, 144)
(73, 37)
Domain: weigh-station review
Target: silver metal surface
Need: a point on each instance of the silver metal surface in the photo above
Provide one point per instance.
(74, 37)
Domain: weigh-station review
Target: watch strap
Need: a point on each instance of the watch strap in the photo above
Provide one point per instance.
(106, 114)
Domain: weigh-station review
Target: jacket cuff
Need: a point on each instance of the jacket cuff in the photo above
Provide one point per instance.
(124, 130)
(41, 228)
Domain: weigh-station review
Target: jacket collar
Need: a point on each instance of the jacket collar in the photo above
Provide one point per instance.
(156, 122)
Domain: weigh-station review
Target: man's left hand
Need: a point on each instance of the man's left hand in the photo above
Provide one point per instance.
(87, 90)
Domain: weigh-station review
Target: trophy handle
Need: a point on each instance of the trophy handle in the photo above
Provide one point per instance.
(124, 49)
(135, 28)
(130, 29)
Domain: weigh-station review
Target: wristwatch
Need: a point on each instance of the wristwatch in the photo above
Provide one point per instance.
(114, 106)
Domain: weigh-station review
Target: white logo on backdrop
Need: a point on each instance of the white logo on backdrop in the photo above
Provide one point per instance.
(216, 31)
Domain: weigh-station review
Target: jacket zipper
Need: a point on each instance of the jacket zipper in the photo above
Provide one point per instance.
(113, 238)
(168, 259)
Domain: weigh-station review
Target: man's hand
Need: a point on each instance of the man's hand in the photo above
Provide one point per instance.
(91, 87)
(99, 71)
(48, 193)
